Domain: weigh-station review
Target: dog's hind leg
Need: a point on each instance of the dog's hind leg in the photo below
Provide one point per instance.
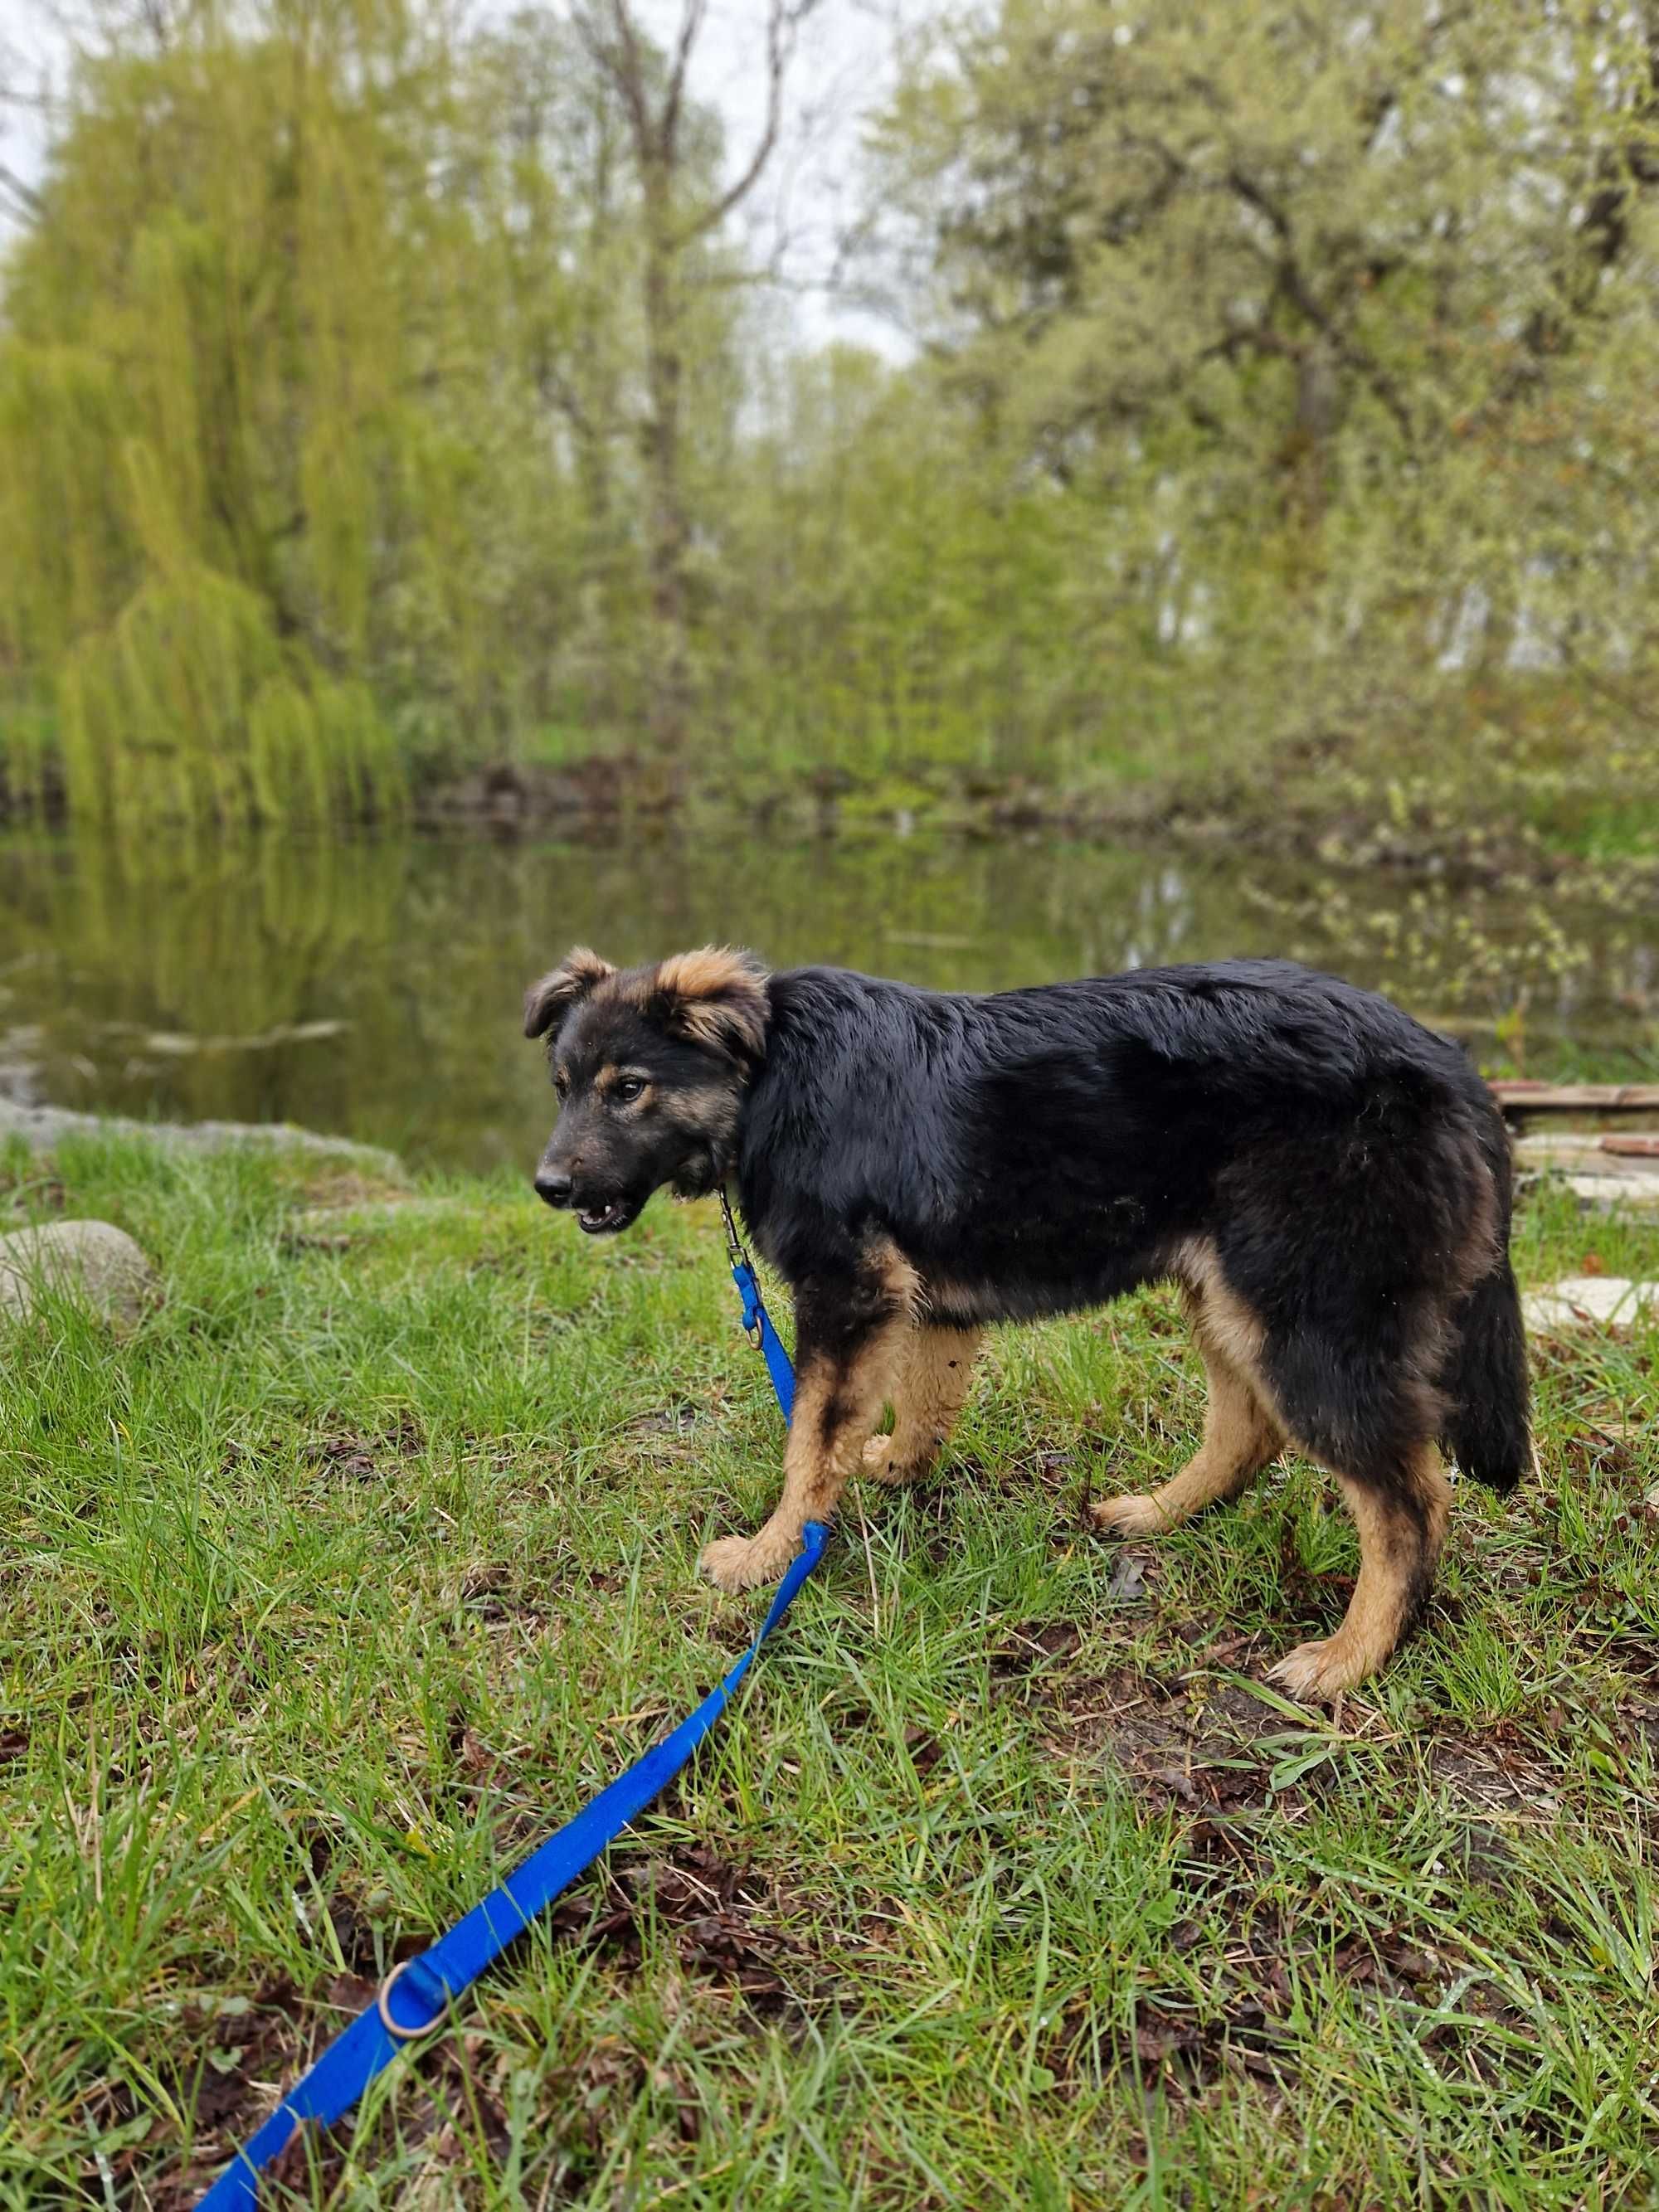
(851, 1331)
(1402, 1525)
(935, 1369)
(1240, 1438)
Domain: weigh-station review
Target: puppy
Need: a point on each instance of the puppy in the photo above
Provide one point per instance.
(1327, 1181)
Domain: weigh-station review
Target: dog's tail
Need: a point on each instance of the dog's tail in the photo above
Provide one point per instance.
(1484, 1377)
(1485, 1382)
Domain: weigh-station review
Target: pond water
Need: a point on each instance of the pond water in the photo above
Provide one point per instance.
(372, 987)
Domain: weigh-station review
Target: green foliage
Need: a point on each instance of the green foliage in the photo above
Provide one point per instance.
(268, 502)
(1324, 328)
(376, 397)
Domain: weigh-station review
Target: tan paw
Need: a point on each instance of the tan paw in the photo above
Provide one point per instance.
(1317, 1673)
(1131, 1516)
(741, 1563)
(880, 1464)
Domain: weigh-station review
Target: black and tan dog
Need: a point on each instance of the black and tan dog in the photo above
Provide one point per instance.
(1327, 1181)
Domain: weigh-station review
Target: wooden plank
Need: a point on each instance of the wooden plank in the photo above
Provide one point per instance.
(1520, 1099)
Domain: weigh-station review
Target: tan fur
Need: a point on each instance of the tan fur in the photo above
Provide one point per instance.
(1219, 1316)
(608, 1078)
(714, 996)
(1395, 1561)
(836, 1405)
(935, 1369)
(711, 1112)
(712, 971)
(1240, 1438)
(580, 972)
(1483, 1247)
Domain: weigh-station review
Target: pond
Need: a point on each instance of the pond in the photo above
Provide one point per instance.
(371, 986)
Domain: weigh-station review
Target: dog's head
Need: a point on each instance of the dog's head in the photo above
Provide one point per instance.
(650, 1064)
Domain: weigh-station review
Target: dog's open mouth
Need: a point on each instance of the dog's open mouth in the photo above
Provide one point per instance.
(600, 1220)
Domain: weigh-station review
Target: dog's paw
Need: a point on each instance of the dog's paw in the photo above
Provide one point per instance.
(1130, 1516)
(1317, 1673)
(881, 1463)
(741, 1563)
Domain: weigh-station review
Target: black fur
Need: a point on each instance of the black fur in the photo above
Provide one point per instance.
(1047, 1149)
(1343, 1168)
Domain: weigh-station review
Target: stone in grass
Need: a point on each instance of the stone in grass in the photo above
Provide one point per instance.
(1578, 1301)
(42, 1129)
(1608, 1193)
(92, 1260)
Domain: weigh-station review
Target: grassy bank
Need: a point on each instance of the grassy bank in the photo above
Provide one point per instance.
(1535, 781)
(371, 1554)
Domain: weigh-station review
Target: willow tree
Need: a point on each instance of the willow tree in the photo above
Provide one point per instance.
(268, 485)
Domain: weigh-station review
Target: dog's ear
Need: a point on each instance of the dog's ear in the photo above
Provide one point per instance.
(715, 997)
(547, 1003)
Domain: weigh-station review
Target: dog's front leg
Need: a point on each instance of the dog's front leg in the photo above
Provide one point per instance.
(850, 1329)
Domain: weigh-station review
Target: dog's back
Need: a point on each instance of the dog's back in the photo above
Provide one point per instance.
(1051, 1147)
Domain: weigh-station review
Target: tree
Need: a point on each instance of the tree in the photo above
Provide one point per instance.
(1298, 279)
(681, 209)
(269, 521)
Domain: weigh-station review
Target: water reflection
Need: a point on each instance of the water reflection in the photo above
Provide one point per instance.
(373, 985)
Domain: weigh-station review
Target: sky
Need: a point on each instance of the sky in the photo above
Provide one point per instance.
(844, 64)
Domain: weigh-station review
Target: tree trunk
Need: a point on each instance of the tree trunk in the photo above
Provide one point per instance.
(668, 675)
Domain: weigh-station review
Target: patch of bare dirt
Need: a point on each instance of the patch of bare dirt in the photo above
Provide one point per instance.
(726, 1925)
(1189, 1740)
(355, 1455)
(1493, 1769)
(346, 1186)
(1030, 1644)
(1238, 2028)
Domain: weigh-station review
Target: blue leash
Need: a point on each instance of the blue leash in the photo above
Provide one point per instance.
(428, 1985)
(757, 1322)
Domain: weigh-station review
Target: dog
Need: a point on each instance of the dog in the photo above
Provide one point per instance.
(1327, 1182)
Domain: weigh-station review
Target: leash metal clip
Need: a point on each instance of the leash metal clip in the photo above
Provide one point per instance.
(737, 1253)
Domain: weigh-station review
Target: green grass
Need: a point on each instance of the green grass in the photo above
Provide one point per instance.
(371, 1554)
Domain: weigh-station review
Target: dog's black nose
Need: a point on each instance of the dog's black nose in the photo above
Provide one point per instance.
(554, 1189)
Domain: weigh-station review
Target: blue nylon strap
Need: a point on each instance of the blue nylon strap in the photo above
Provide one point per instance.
(756, 1318)
(430, 1982)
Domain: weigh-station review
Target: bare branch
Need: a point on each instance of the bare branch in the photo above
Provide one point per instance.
(1297, 290)
(623, 62)
(29, 201)
(690, 27)
(783, 21)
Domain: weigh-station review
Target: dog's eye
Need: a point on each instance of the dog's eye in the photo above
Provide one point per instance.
(561, 1085)
(630, 1088)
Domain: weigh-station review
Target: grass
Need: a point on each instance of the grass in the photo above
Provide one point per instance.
(371, 1554)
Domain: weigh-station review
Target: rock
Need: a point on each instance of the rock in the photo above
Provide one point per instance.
(1576, 1301)
(91, 1260)
(1604, 1172)
(178, 1044)
(336, 1227)
(1612, 1191)
(44, 1127)
(366, 1213)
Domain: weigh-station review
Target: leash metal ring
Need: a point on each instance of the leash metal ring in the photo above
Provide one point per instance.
(395, 2028)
